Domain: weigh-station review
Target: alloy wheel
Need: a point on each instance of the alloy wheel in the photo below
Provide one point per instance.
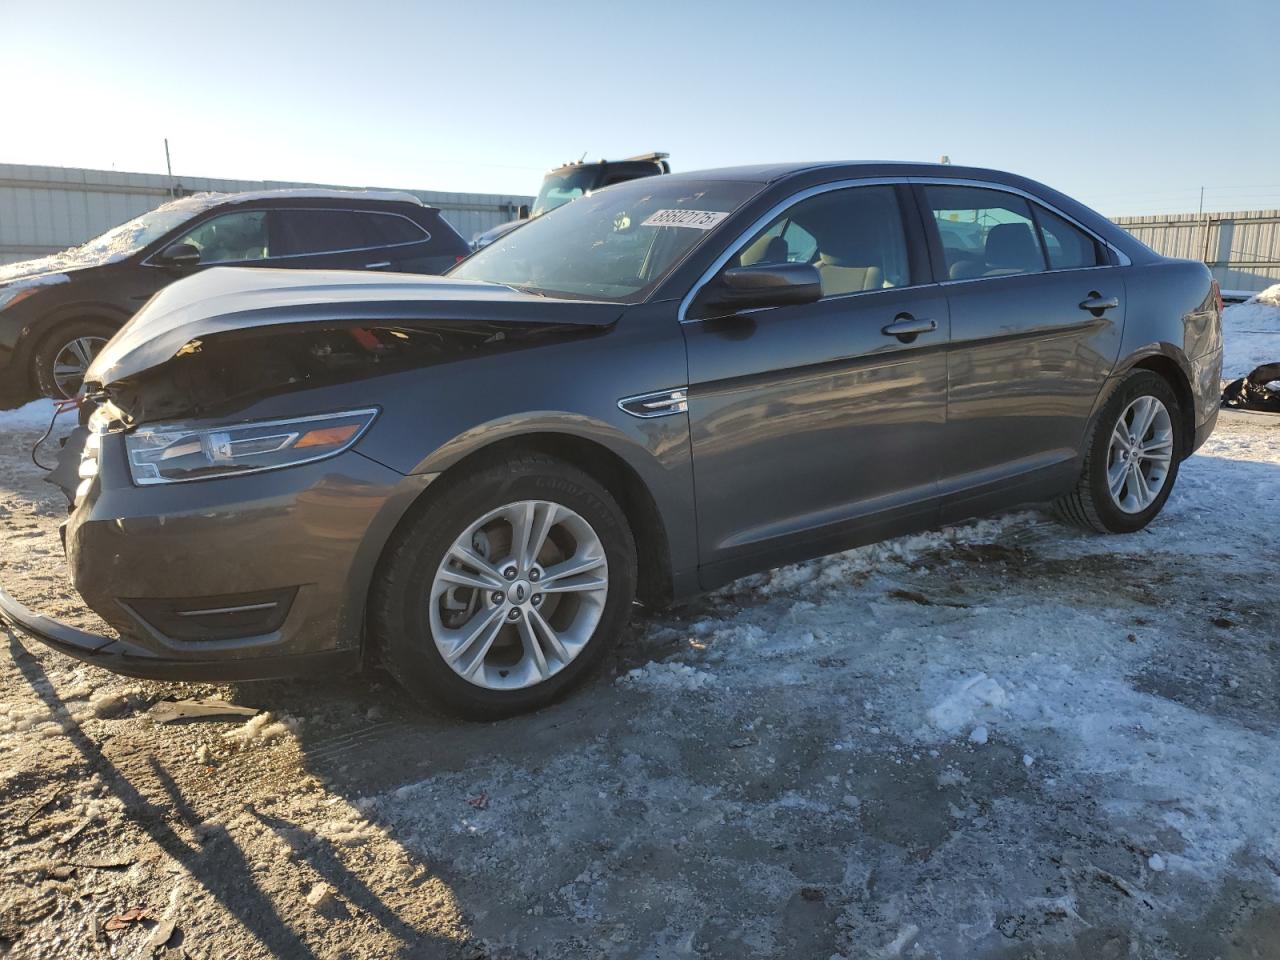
(1140, 454)
(71, 363)
(518, 595)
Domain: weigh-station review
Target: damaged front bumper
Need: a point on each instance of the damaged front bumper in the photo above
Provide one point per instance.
(239, 578)
(119, 656)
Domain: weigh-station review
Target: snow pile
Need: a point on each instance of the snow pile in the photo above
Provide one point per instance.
(1251, 334)
(667, 677)
(963, 705)
(1270, 296)
(838, 570)
(35, 415)
(260, 730)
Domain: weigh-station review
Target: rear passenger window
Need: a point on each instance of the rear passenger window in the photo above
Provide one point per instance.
(985, 233)
(388, 228)
(300, 232)
(854, 237)
(1067, 246)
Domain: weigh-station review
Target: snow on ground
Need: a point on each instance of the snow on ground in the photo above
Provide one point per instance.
(1005, 739)
(1251, 334)
(37, 414)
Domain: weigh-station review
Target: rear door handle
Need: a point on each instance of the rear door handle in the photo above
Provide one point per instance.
(1096, 303)
(377, 266)
(906, 327)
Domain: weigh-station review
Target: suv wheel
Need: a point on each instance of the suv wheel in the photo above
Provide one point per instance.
(506, 589)
(61, 359)
(1131, 458)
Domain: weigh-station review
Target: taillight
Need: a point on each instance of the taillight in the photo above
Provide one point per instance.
(1217, 295)
(459, 258)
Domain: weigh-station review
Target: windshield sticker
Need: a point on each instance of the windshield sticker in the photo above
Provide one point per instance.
(697, 219)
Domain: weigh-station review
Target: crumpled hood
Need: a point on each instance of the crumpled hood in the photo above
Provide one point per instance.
(226, 299)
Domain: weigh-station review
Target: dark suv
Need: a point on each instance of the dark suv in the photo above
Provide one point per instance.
(646, 393)
(58, 311)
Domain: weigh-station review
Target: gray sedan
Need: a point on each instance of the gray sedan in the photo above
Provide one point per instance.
(651, 391)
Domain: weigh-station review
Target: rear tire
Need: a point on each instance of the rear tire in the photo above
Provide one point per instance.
(422, 616)
(68, 348)
(1110, 497)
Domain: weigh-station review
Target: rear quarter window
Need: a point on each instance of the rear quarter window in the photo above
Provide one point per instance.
(389, 228)
(1066, 245)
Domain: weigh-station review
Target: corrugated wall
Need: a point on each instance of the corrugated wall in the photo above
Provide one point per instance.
(46, 209)
(1242, 248)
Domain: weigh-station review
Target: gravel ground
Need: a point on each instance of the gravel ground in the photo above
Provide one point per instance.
(1005, 740)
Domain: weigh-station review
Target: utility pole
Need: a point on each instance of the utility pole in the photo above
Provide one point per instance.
(169, 167)
(1204, 230)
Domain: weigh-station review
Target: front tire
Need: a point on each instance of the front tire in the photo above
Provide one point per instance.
(505, 589)
(1131, 458)
(61, 359)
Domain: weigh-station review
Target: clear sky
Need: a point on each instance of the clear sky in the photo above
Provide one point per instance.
(1129, 106)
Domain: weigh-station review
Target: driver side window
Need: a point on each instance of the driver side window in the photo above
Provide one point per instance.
(231, 238)
(854, 237)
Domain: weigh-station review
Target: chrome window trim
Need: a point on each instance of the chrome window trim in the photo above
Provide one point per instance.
(1122, 258)
(426, 235)
(763, 221)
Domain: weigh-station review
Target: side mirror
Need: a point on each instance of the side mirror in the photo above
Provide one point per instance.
(522, 212)
(179, 255)
(761, 285)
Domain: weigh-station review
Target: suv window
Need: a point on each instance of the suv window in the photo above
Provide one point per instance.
(388, 229)
(231, 238)
(854, 237)
(299, 232)
(1067, 246)
(985, 233)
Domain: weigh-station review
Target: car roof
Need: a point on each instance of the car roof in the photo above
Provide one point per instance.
(320, 193)
(772, 172)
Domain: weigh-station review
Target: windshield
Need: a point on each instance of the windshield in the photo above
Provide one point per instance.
(559, 188)
(128, 238)
(614, 245)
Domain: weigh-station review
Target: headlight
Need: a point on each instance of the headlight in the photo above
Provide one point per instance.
(175, 452)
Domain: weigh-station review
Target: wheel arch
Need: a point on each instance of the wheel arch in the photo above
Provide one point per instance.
(655, 581)
(40, 332)
(1167, 362)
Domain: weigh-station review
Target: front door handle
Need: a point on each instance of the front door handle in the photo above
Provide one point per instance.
(377, 266)
(906, 327)
(1096, 303)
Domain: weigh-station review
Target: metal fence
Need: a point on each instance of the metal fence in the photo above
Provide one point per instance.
(1241, 248)
(47, 209)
